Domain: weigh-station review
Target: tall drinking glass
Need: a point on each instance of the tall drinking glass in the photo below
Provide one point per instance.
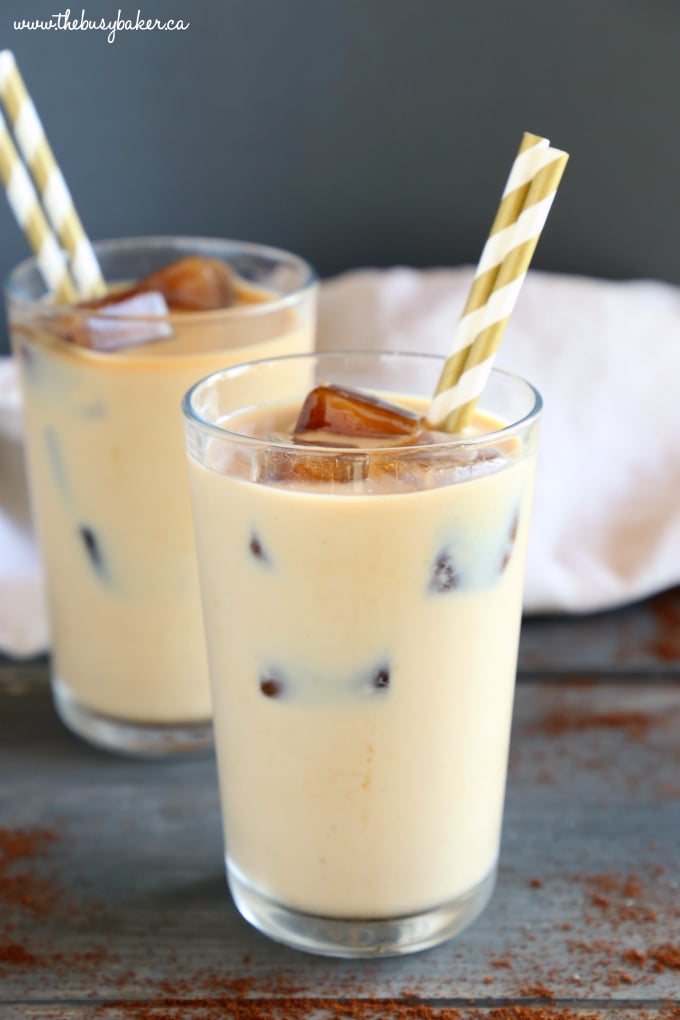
(108, 478)
(362, 610)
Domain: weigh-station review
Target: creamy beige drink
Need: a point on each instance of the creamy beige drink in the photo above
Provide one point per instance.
(102, 395)
(362, 612)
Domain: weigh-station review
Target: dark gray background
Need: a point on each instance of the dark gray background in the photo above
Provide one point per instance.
(365, 132)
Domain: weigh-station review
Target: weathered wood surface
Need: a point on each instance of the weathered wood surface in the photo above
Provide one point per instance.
(131, 906)
(640, 639)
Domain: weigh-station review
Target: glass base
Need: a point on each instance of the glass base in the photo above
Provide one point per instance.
(145, 740)
(352, 938)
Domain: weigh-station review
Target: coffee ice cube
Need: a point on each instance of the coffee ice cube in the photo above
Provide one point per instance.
(380, 678)
(192, 284)
(510, 541)
(374, 680)
(258, 550)
(278, 464)
(439, 465)
(93, 550)
(272, 685)
(444, 573)
(348, 412)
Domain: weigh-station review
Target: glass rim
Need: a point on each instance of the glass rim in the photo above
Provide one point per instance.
(457, 440)
(214, 245)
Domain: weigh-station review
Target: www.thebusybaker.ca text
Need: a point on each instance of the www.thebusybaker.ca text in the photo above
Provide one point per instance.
(64, 22)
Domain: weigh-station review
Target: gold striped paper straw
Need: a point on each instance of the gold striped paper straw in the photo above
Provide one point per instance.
(52, 188)
(523, 211)
(25, 204)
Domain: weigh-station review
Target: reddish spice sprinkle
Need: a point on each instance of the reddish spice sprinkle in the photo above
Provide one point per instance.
(566, 720)
(16, 955)
(665, 957)
(348, 1009)
(634, 956)
(619, 898)
(19, 887)
(536, 991)
(666, 609)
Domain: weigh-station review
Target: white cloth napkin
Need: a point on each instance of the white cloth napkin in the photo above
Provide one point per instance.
(606, 359)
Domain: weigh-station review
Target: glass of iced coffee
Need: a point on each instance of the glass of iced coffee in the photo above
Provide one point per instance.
(102, 386)
(362, 580)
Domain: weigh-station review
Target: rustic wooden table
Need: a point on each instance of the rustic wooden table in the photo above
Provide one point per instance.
(113, 903)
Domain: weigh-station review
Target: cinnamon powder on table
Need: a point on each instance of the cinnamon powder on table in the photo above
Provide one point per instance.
(355, 1009)
(28, 891)
(22, 889)
(15, 954)
(567, 720)
(627, 934)
(665, 645)
(614, 905)
(20, 886)
(665, 957)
